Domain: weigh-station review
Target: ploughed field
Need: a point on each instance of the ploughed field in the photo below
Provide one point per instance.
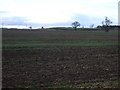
(59, 58)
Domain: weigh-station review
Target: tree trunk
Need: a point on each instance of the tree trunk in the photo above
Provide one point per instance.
(75, 28)
(106, 29)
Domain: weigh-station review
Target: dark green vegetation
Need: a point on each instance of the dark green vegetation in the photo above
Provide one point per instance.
(60, 58)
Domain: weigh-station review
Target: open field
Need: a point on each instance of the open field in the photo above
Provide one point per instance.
(59, 58)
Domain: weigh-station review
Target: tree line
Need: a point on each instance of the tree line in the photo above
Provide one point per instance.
(106, 23)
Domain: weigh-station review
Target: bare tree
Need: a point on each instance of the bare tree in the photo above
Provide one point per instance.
(106, 23)
(75, 24)
(42, 27)
(30, 27)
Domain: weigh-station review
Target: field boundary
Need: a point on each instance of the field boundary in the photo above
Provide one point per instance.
(61, 44)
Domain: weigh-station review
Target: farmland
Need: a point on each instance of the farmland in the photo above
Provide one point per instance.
(59, 58)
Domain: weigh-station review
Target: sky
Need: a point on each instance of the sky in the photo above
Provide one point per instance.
(56, 13)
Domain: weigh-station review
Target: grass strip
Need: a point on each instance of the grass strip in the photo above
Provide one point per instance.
(62, 44)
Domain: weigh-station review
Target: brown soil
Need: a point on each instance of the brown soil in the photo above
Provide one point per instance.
(54, 66)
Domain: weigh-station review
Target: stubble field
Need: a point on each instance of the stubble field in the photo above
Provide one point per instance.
(59, 58)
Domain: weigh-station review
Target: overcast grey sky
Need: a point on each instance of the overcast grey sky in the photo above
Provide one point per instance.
(48, 13)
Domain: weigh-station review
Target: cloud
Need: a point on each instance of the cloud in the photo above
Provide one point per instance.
(14, 20)
(24, 21)
(119, 13)
(2, 12)
(59, 24)
(57, 12)
(86, 20)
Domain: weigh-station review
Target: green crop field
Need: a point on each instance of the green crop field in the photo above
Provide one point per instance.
(61, 44)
